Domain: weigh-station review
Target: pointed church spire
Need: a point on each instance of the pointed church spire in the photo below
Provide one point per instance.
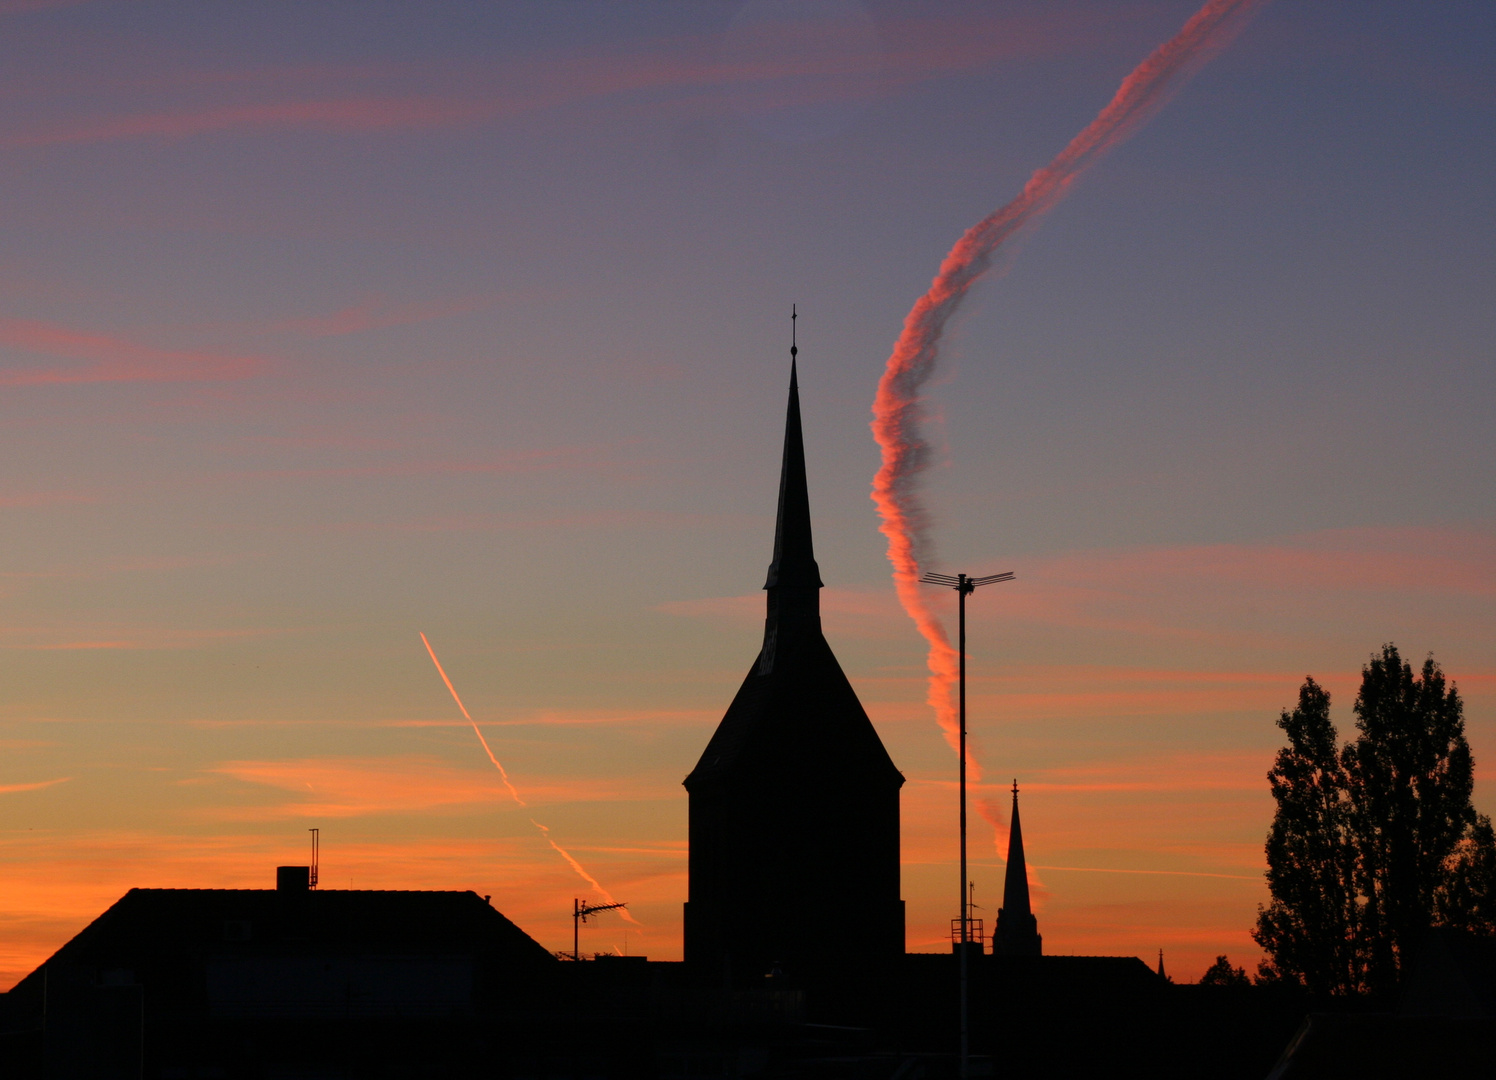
(794, 565)
(794, 803)
(1017, 929)
(794, 580)
(1015, 883)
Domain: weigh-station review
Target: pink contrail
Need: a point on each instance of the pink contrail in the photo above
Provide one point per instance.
(544, 832)
(443, 673)
(899, 406)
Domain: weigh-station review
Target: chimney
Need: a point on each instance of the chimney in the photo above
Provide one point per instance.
(292, 879)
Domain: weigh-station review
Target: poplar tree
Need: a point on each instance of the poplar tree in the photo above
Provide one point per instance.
(1375, 842)
(1410, 778)
(1467, 898)
(1309, 929)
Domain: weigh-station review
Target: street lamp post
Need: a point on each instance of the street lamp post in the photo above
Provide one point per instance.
(964, 587)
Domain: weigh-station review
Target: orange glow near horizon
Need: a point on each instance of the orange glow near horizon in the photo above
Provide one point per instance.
(309, 337)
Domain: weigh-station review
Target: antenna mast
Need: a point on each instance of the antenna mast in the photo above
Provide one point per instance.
(579, 913)
(964, 587)
(316, 846)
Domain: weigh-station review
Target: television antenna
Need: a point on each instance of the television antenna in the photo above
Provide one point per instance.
(964, 587)
(316, 849)
(579, 915)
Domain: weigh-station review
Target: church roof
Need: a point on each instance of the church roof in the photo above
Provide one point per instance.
(794, 561)
(1015, 881)
(795, 706)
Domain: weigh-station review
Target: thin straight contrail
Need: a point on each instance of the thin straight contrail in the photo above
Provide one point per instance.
(899, 407)
(544, 832)
(453, 690)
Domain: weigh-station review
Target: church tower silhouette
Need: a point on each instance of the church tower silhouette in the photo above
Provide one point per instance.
(794, 805)
(1017, 932)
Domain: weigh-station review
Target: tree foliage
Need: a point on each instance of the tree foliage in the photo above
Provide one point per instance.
(1310, 927)
(1466, 898)
(1221, 973)
(1376, 841)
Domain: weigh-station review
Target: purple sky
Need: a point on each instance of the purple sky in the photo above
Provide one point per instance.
(324, 324)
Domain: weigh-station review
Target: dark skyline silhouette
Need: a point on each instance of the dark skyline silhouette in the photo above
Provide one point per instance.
(1017, 930)
(794, 804)
(795, 957)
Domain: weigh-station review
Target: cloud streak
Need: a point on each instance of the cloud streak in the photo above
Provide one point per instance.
(377, 313)
(355, 787)
(372, 100)
(899, 408)
(9, 789)
(104, 358)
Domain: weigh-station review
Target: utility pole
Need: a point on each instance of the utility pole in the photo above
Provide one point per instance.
(964, 587)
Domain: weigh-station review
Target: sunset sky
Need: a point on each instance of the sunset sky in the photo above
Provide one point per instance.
(323, 325)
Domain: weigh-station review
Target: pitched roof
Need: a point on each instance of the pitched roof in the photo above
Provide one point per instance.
(163, 929)
(803, 711)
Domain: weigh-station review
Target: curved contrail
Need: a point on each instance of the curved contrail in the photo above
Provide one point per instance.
(899, 406)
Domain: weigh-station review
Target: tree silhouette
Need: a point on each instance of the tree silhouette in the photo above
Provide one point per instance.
(1375, 842)
(1410, 777)
(1221, 973)
(1309, 928)
(1467, 898)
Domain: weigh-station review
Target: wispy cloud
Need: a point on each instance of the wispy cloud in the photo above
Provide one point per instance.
(54, 639)
(6, 789)
(542, 718)
(371, 99)
(104, 358)
(30, 499)
(590, 717)
(552, 459)
(379, 313)
(349, 114)
(1361, 560)
(1027, 693)
(349, 787)
(498, 522)
(1182, 590)
(847, 613)
(1219, 594)
(1176, 772)
(1254, 878)
(26, 7)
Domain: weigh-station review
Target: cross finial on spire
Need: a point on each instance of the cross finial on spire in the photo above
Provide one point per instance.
(794, 562)
(1015, 789)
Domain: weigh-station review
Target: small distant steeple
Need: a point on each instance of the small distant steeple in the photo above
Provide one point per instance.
(1161, 974)
(1017, 931)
